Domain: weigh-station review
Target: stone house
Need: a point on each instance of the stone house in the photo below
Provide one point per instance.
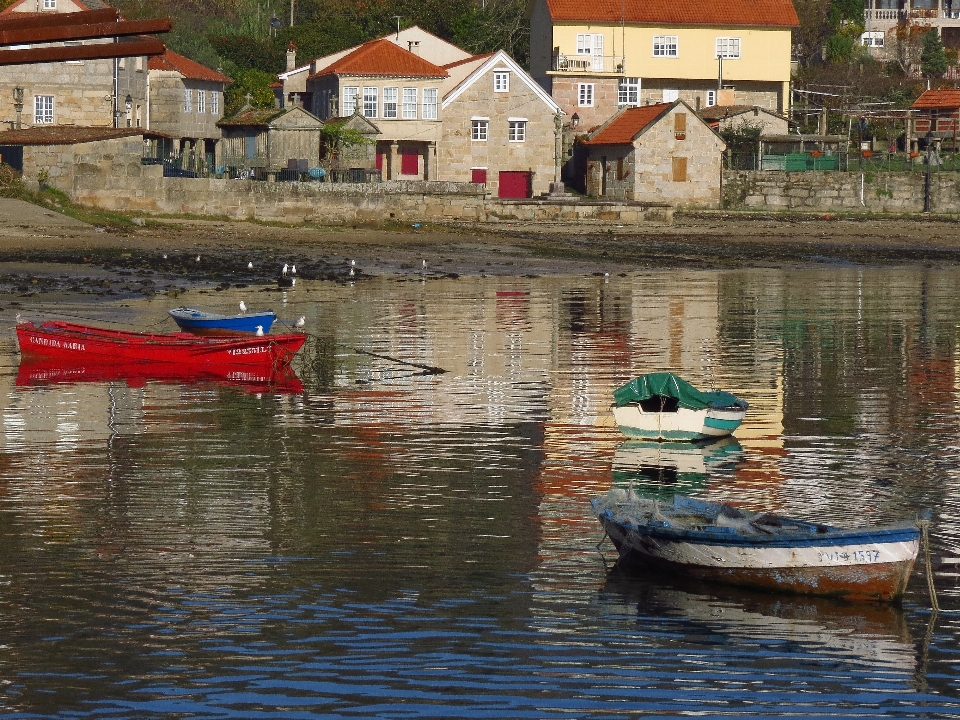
(498, 127)
(936, 112)
(599, 56)
(291, 85)
(393, 88)
(655, 153)
(722, 117)
(186, 103)
(109, 92)
(269, 140)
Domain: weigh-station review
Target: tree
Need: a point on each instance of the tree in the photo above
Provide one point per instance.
(252, 83)
(933, 57)
(338, 140)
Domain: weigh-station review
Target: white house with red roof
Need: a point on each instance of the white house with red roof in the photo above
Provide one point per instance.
(93, 93)
(596, 57)
(654, 153)
(186, 102)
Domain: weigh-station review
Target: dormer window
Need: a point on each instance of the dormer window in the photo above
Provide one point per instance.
(501, 81)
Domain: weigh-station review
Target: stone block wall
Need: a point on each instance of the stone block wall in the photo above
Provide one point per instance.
(840, 191)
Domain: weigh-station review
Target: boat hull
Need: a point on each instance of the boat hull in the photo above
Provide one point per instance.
(682, 425)
(204, 323)
(68, 343)
(851, 564)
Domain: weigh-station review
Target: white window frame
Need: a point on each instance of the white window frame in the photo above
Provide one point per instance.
(371, 101)
(517, 130)
(390, 97)
(187, 101)
(43, 109)
(349, 104)
(409, 108)
(201, 102)
(671, 95)
(479, 129)
(584, 94)
(429, 104)
(872, 38)
(728, 48)
(591, 44)
(49, 4)
(501, 81)
(628, 92)
(214, 102)
(666, 46)
(711, 98)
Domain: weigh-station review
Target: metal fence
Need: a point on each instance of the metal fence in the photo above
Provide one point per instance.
(845, 162)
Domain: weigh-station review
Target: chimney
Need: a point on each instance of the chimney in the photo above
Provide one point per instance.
(291, 56)
(414, 46)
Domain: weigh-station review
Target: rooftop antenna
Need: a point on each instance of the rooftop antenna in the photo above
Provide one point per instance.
(397, 18)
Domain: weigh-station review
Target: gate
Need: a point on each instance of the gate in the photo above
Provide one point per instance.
(515, 184)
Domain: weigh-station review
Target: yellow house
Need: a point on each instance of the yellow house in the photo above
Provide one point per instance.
(596, 57)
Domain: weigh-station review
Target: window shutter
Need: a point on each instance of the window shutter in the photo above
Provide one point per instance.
(679, 169)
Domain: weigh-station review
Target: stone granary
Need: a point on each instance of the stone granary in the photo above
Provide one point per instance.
(655, 153)
(268, 140)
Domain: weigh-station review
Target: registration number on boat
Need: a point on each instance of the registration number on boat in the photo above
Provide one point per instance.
(249, 350)
(849, 556)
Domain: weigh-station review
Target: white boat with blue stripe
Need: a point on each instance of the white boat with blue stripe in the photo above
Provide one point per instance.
(663, 406)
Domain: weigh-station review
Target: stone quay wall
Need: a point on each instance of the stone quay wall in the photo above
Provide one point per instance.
(108, 175)
(877, 192)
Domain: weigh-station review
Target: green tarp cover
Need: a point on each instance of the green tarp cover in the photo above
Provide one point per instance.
(669, 385)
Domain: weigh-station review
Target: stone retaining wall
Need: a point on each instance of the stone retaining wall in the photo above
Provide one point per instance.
(882, 192)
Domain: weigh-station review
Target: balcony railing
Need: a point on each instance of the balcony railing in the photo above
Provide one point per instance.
(588, 63)
(892, 15)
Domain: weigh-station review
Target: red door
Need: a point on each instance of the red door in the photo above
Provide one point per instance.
(409, 161)
(515, 184)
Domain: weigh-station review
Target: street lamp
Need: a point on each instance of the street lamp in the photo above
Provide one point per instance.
(18, 104)
(926, 182)
(574, 121)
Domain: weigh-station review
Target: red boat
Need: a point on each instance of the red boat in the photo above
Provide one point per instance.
(76, 345)
(40, 372)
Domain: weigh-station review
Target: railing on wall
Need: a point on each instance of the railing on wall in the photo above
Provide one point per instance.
(588, 63)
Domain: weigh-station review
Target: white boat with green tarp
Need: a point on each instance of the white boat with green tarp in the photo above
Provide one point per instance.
(663, 406)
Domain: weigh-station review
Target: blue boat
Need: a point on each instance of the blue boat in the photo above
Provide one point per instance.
(206, 323)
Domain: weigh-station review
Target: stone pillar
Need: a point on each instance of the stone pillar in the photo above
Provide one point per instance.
(430, 162)
(393, 166)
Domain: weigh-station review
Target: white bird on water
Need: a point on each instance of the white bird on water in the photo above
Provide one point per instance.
(243, 306)
(285, 270)
(198, 258)
(259, 330)
(352, 265)
(301, 321)
(293, 269)
(250, 265)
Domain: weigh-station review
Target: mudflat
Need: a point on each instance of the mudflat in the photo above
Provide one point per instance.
(45, 251)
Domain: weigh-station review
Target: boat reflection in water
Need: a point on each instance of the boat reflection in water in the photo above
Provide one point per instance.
(664, 469)
(772, 629)
(281, 380)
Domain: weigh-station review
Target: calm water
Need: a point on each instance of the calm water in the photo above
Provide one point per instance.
(387, 543)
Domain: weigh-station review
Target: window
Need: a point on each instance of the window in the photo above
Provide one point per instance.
(711, 98)
(585, 94)
(214, 102)
(188, 100)
(670, 95)
(621, 171)
(49, 4)
(409, 103)
(75, 43)
(591, 44)
(665, 46)
(728, 47)
(390, 96)
(873, 38)
(201, 101)
(478, 175)
(478, 129)
(518, 130)
(43, 110)
(429, 103)
(501, 82)
(370, 102)
(629, 93)
(680, 126)
(679, 169)
(350, 100)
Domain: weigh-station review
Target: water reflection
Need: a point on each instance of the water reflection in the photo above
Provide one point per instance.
(390, 543)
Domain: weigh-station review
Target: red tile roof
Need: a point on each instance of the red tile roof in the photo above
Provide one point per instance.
(472, 58)
(186, 67)
(65, 135)
(382, 58)
(623, 128)
(747, 13)
(937, 99)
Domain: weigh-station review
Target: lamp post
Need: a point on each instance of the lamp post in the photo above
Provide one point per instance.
(18, 104)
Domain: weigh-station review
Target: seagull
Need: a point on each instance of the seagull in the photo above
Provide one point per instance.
(250, 265)
(198, 258)
(285, 269)
(243, 306)
(164, 256)
(20, 318)
(351, 272)
(301, 321)
(259, 330)
(423, 264)
(293, 269)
